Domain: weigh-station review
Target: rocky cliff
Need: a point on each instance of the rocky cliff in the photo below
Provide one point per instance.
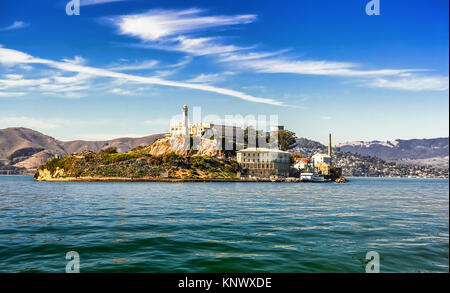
(185, 146)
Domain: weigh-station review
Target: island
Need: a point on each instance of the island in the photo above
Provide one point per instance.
(199, 152)
(139, 164)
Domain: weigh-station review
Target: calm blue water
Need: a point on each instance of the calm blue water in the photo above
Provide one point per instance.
(224, 227)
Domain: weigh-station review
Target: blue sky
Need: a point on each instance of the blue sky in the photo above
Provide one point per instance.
(124, 68)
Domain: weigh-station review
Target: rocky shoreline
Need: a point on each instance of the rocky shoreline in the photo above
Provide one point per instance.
(123, 179)
(46, 177)
(120, 179)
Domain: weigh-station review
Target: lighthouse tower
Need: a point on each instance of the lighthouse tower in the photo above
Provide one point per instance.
(185, 129)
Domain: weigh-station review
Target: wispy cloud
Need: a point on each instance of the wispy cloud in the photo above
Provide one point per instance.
(211, 77)
(163, 69)
(157, 24)
(51, 83)
(402, 79)
(176, 30)
(9, 56)
(173, 30)
(249, 56)
(16, 25)
(11, 94)
(119, 91)
(147, 64)
(183, 62)
(267, 63)
(13, 76)
(206, 78)
(413, 83)
(75, 60)
(194, 46)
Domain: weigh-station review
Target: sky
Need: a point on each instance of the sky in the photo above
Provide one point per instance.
(124, 68)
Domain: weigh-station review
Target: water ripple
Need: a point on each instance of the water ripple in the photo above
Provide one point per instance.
(224, 227)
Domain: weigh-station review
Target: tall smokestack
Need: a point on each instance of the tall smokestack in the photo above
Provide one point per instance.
(329, 144)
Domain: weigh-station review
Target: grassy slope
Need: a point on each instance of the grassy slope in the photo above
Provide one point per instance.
(139, 163)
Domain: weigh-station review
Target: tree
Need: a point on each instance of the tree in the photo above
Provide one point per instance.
(286, 138)
(110, 150)
(295, 156)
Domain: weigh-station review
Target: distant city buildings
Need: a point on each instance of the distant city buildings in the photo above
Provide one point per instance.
(319, 163)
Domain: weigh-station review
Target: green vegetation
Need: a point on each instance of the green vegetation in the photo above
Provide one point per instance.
(138, 163)
(286, 139)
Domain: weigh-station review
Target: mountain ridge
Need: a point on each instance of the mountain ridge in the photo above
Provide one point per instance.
(428, 151)
(24, 148)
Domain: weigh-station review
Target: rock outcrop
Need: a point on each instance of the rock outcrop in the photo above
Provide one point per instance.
(46, 175)
(182, 146)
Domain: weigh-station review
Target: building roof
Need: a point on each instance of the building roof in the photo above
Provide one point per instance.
(262, 150)
(306, 160)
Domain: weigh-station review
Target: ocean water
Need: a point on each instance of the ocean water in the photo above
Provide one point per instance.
(224, 227)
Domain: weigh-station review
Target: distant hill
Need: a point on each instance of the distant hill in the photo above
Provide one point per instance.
(354, 164)
(413, 151)
(23, 149)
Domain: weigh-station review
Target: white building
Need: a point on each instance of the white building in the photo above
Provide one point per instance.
(303, 164)
(182, 127)
(263, 162)
(321, 158)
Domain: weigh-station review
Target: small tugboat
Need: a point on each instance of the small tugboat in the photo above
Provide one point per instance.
(311, 177)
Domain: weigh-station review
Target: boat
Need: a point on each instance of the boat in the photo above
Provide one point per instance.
(311, 177)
